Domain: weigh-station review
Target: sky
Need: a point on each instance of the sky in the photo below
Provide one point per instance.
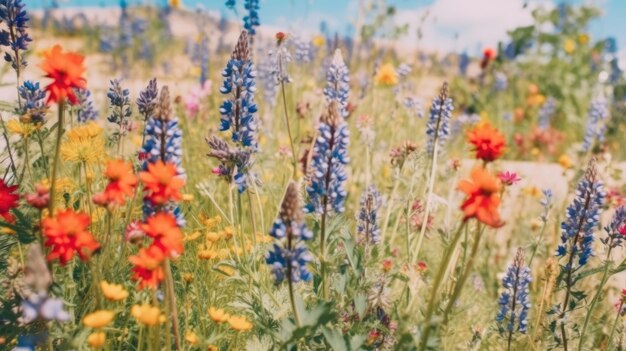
(451, 25)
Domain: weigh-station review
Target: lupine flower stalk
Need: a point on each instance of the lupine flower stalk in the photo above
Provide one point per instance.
(251, 20)
(13, 14)
(437, 130)
(514, 301)
(613, 239)
(546, 112)
(367, 218)
(289, 255)
(146, 103)
(119, 103)
(577, 234)
(327, 176)
(338, 83)
(85, 110)
(596, 120)
(33, 107)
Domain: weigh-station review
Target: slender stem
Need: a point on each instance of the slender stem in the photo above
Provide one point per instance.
(512, 322)
(296, 313)
(27, 159)
(596, 297)
(8, 145)
(55, 164)
(461, 282)
(169, 281)
(443, 268)
(617, 317)
(536, 244)
(43, 153)
(431, 185)
(394, 190)
(323, 253)
(253, 219)
(294, 155)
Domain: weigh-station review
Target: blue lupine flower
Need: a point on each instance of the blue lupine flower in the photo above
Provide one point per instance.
(235, 164)
(146, 102)
(338, 83)
(367, 219)
(546, 203)
(615, 237)
(596, 120)
(501, 82)
(251, 20)
(546, 112)
(239, 110)
(404, 70)
(40, 306)
(85, 111)
(610, 45)
(438, 126)
(507, 116)
(304, 52)
(514, 301)
(13, 14)
(162, 127)
(268, 81)
(414, 105)
(467, 118)
(327, 175)
(582, 218)
(33, 102)
(289, 255)
(464, 61)
(119, 103)
(231, 4)
(163, 141)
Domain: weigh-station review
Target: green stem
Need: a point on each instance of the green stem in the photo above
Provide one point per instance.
(294, 155)
(617, 317)
(5, 134)
(431, 185)
(596, 298)
(55, 165)
(443, 268)
(169, 282)
(43, 153)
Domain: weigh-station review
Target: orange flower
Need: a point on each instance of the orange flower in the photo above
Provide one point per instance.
(162, 182)
(67, 234)
(122, 181)
(66, 70)
(482, 199)
(147, 267)
(489, 144)
(166, 234)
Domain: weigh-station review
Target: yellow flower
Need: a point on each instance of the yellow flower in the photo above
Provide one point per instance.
(98, 319)
(207, 254)
(188, 277)
(263, 238)
(535, 152)
(212, 348)
(84, 144)
(212, 222)
(193, 236)
(583, 38)
(175, 3)
(146, 314)
(113, 292)
(191, 337)
(187, 197)
(386, 75)
(535, 224)
(22, 129)
(96, 340)
(227, 233)
(569, 46)
(565, 161)
(318, 41)
(218, 315)
(213, 237)
(239, 323)
(7, 231)
(533, 191)
(535, 100)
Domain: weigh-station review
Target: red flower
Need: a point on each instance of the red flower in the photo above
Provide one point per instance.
(66, 69)
(8, 200)
(147, 267)
(489, 144)
(489, 55)
(162, 182)
(167, 236)
(66, 234)
(122, 181)
(508, 178)
(482, 199)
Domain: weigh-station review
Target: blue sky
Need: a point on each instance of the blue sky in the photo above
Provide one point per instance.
(450, 25)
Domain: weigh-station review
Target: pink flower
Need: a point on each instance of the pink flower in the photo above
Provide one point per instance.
(134, 234)
(509, 178)
(194, 99)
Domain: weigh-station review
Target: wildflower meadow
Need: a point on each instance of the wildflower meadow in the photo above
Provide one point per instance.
(179, 178)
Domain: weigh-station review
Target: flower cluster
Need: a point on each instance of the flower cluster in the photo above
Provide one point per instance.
(66, 69)
(289, 256)
(367, 218)
(85, 111)
(67, 234)
(12, 13)
(582, 218)
(33, 108)
(338, 83)
(8, 200)
(146, 102)
(119, 103)
(327, 175)
(546, 112)
(596, 120)
(239, 110)
(251, 21)
(235, 163)
(514, 301)
(616, 230)
(122, 183)
(438, 126)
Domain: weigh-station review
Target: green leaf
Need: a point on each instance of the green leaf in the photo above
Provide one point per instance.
(360, 304)
(335, 339)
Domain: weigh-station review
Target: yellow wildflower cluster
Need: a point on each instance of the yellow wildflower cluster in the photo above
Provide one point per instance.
(84, 144)
(238, 323)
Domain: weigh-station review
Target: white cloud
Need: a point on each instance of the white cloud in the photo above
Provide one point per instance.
(465, 24)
